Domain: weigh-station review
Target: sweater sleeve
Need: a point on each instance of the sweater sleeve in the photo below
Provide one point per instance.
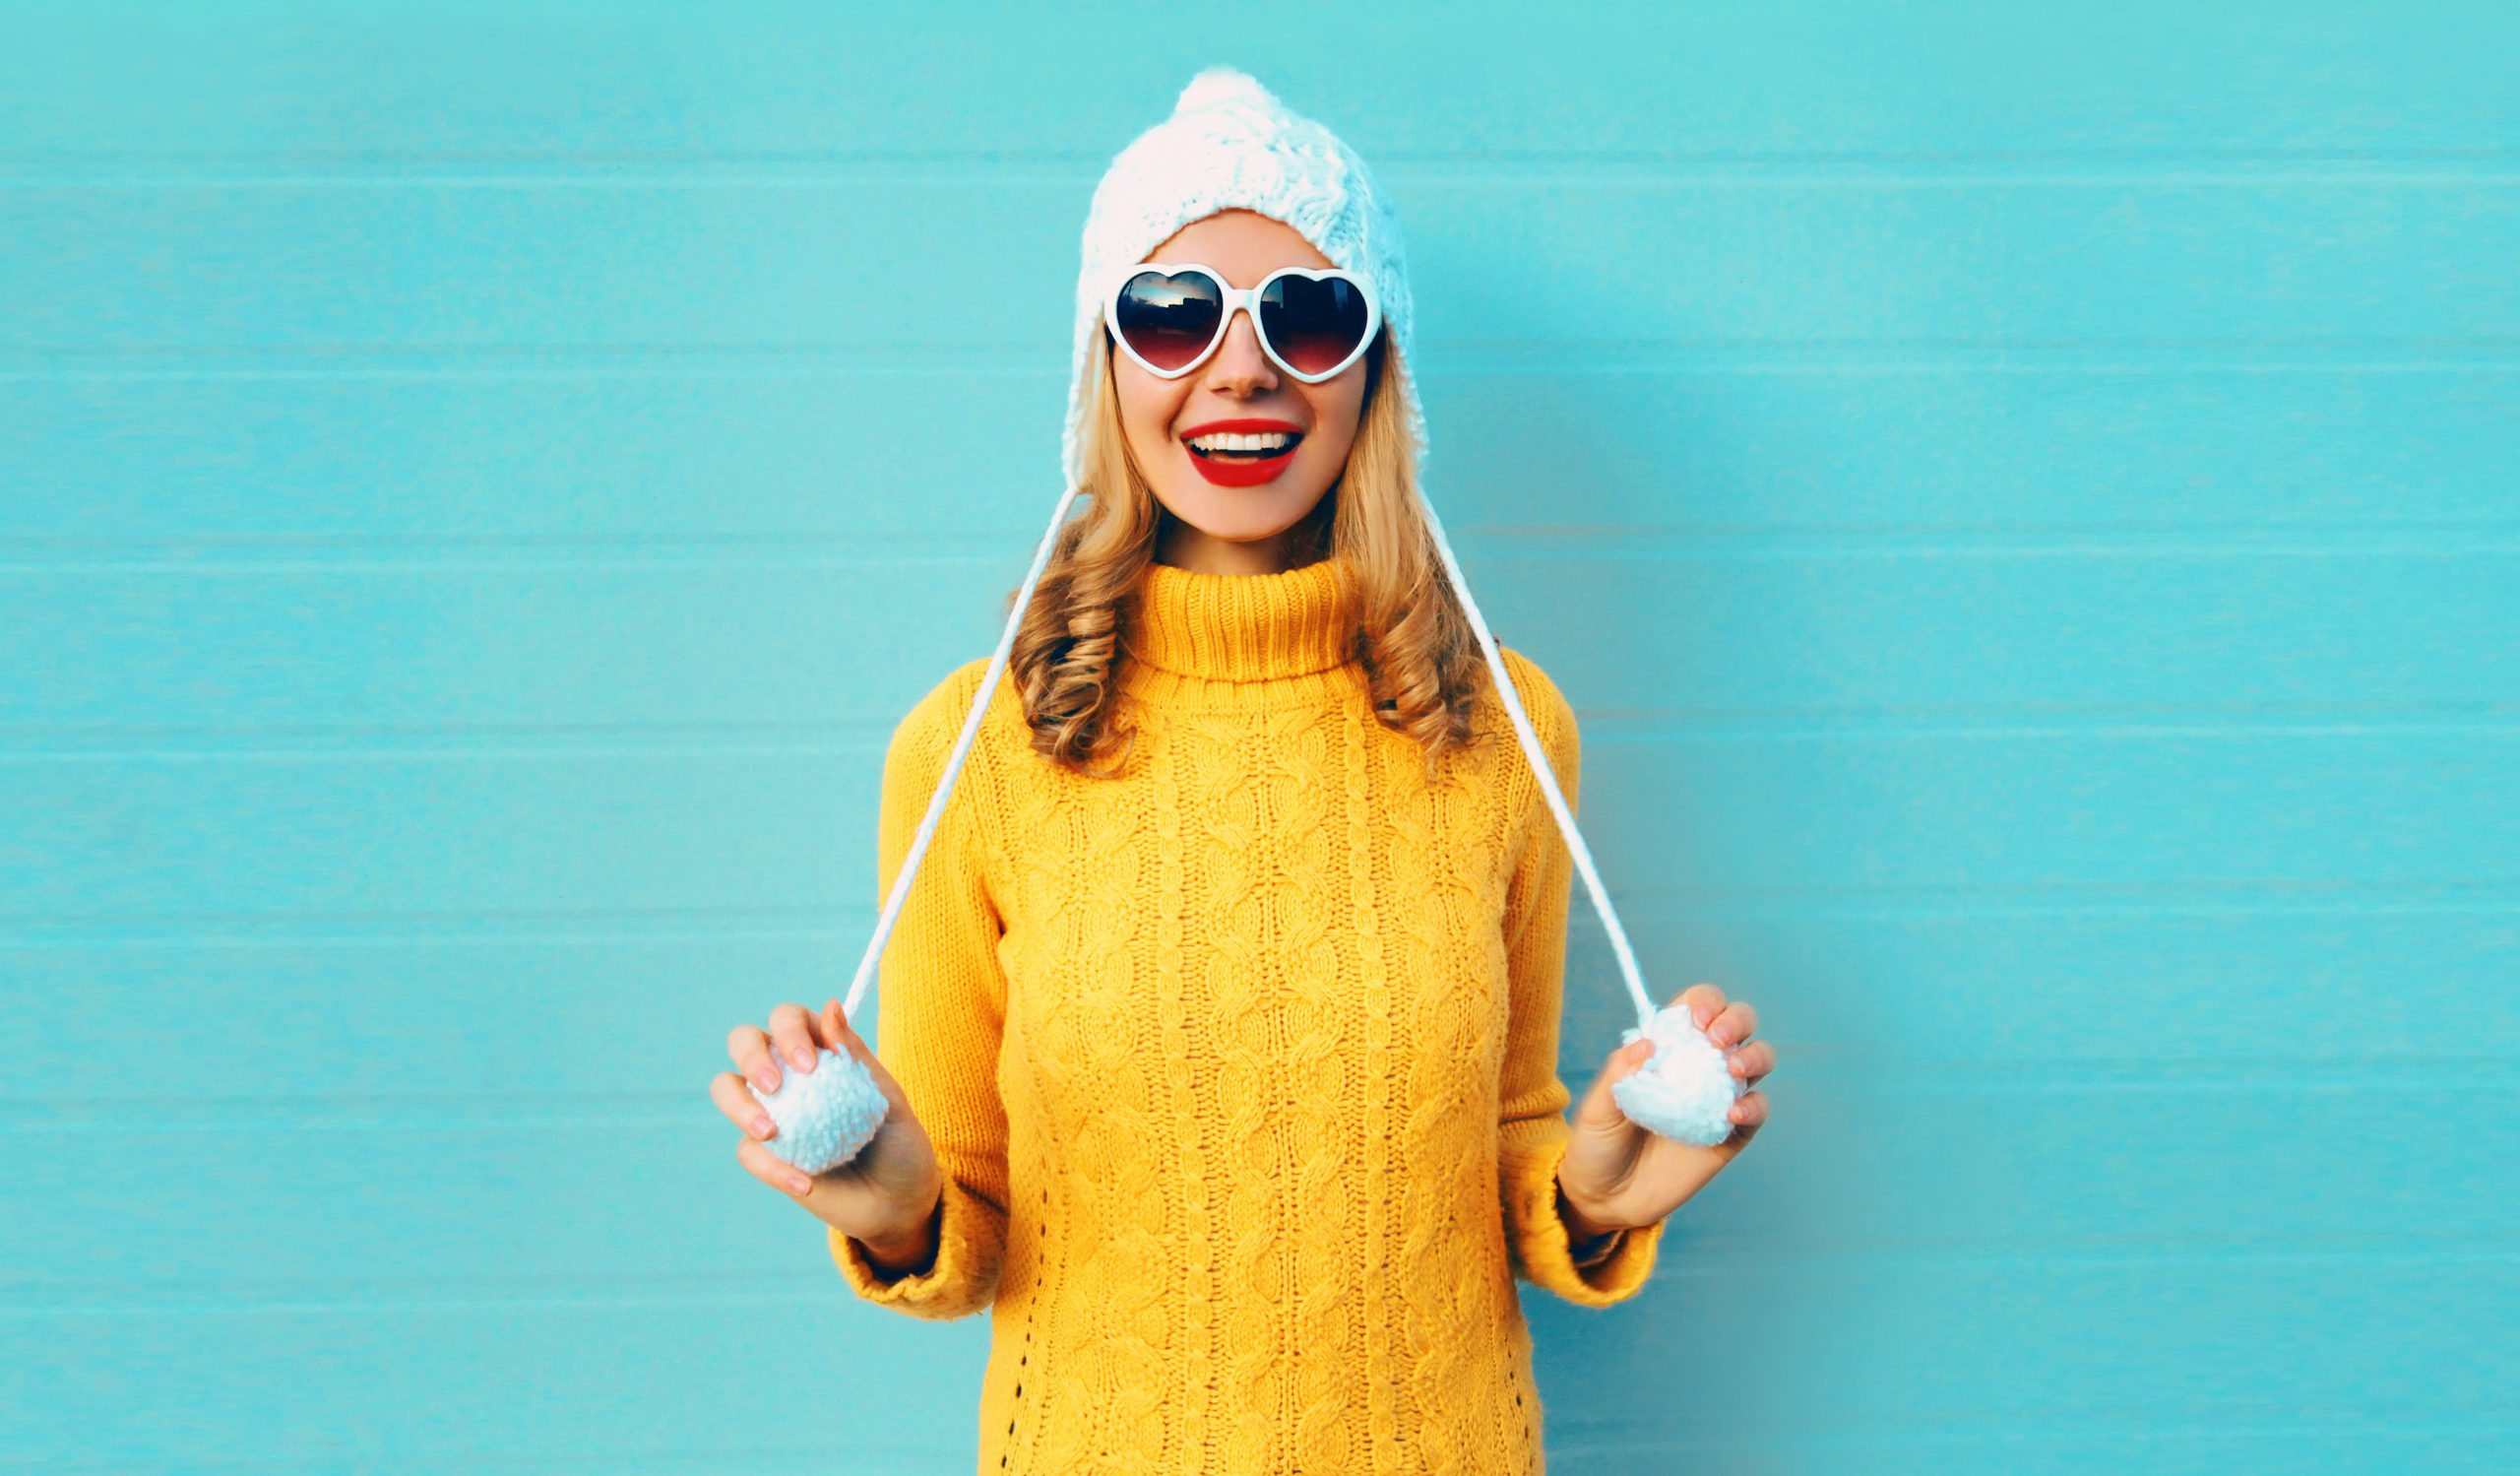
(1532, 1127)
(940, 1010)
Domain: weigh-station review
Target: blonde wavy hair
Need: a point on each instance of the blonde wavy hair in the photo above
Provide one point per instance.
(1422, 661)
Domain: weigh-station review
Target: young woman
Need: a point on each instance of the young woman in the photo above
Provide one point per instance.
(1222, 1022)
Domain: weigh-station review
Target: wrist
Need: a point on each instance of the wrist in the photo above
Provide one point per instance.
(1584, 1228)
(911, 1248)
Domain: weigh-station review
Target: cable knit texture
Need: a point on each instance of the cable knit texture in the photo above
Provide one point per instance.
(1241, 1066)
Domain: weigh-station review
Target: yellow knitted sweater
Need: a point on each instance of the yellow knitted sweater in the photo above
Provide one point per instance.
(1241, 1066)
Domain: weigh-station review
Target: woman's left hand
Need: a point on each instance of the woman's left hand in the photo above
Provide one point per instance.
(1617, 1174)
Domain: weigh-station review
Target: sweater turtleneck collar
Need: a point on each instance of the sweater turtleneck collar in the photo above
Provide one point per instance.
(1241, 627)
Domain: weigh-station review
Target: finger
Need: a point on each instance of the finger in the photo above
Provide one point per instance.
(1731, 1025)
(837, 1033)
(1703, 1000)
(794, 1039)
(750, 1049)
(787, 1178)
(815, 1035)
(727, 1089)
(1749, 1113)
(856, 1045)
(1753, 1061)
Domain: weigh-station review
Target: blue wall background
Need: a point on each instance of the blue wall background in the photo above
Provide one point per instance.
(2026, 501)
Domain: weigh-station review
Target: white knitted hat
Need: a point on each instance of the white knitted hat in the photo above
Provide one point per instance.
(1230, 145)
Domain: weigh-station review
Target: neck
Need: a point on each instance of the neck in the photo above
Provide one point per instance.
(1184, 546)
(1206, 554)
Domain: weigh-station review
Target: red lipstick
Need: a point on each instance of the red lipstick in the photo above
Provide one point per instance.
(1240, 472)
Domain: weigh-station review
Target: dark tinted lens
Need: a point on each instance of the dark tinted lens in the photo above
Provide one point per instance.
(1168, 320)
(1313, 325)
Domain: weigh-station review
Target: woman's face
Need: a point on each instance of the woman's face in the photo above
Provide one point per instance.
(1229, 528)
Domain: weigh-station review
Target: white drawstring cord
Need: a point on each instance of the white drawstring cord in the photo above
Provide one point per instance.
(1505, 692)
(1540, 770)
(954, 765)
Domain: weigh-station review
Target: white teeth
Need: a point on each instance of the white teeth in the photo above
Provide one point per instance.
(1271, 440)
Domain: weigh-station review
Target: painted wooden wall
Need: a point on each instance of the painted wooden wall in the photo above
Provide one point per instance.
(2026, 501)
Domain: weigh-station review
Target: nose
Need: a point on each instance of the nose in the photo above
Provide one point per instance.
(1238, 368)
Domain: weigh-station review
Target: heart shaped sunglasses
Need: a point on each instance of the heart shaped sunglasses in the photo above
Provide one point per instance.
(1170, 316)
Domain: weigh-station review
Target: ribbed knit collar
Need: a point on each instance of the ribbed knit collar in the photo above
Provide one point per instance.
(1241, 627)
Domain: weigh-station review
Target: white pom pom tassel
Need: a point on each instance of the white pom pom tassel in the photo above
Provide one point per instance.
(1686, 1089)
(825, 1114)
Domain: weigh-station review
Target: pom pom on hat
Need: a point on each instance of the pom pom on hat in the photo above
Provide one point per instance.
(1232, 145)
(825, 1114)
(1219, 85)
(1686, 1088)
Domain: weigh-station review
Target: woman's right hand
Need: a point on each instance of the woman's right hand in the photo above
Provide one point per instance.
(886, 1196)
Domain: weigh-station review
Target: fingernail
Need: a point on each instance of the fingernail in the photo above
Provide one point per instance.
(768, 1081)
(804, 1059)
(798, 1183)
(762, 1128)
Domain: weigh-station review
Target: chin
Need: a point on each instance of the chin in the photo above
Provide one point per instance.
(1239, 530)
(1239, 515)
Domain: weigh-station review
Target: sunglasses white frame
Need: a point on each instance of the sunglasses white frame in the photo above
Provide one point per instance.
(1247, 301)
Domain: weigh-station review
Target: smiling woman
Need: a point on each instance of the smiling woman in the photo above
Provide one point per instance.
(1346, 484)
(1311, 324)
(1221, 1028)
(1296, 433)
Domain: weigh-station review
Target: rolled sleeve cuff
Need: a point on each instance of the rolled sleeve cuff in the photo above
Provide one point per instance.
(1544, 1255)
(962, 1280)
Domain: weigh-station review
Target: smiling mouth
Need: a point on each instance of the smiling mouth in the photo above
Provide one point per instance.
(1246, 448)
